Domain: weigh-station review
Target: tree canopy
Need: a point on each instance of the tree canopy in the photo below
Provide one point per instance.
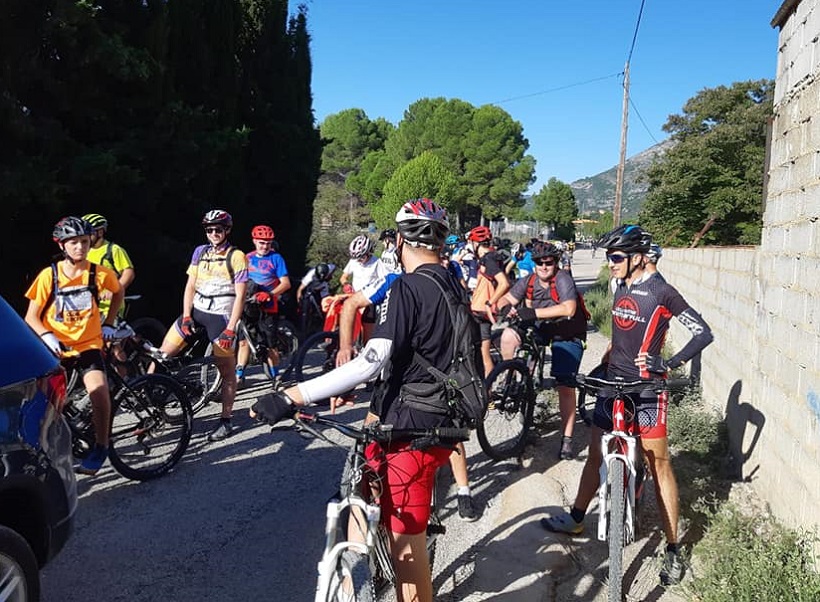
(709, 187)
(555, 205)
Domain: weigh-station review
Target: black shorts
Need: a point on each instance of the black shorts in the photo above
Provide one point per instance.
(484, 325)
(87, 361)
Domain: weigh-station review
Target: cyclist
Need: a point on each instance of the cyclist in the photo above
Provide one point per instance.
(363, 268)
(213, 300)
(642, 307)
(415, 319)
(551, 294)
(491, 285)
(111, 255)
(314, 287)
(64, 310)
(388, 256)
(653, 257)
(268, 276)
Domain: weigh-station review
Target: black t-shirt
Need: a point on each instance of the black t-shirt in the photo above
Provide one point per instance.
(640, 321)
(415, 316)
(542, 296)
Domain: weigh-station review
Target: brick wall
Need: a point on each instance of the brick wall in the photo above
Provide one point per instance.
(763, 303)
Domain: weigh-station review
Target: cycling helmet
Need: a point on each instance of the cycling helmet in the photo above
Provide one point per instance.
(96, 220)
(545, 249)
(389, 234)
(627, 238)
(503, 255)
(71, 227)
(655, 253)
(516, 249)
(217, 217)
(451, 240)
(423, 223)
(480, 234)
(361, 246)
(262, 232)
(323, 271)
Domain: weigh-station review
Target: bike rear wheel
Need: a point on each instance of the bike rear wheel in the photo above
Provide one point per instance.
(503, 432)
(287, 343)
(615, 526)
(150, 329)
(316, 356)
(151, 424)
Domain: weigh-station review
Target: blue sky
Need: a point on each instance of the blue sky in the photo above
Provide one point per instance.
(383, 55)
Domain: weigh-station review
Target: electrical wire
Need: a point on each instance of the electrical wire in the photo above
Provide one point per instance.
(646, 127)
(635, 35)
(558, 89)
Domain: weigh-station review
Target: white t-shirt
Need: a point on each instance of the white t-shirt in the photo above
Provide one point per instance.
(363, 274)
(390, 259)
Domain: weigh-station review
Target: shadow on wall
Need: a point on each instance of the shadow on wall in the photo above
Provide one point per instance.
(738, 417)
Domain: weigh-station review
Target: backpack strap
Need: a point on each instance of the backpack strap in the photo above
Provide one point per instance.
(530, 286)
(109, 257)
(451, 300)
(91, 286)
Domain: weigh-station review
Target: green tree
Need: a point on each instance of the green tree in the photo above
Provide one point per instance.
(422, 176)
(555, 205)
(708, 188)
(348, 136)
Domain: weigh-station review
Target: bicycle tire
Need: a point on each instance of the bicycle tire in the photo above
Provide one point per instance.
(203, 376)
(146, 442)
(150, 329)
(502, 433)
(287, 343)
(354, 567)
(615, 537)
(316, 356)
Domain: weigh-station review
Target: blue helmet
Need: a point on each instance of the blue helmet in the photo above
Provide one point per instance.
(451, 240)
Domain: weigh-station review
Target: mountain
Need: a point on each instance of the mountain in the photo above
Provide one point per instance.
(598, 192)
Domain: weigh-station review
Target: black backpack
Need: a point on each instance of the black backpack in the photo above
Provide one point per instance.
(459, 392)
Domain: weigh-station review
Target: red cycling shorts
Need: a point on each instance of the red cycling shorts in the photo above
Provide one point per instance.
(650, 415)
(406, 478)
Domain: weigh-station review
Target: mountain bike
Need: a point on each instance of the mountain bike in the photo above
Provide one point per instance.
(359, 571)
(623, 466)
(251, 328)
(512, 387)
(151, 423)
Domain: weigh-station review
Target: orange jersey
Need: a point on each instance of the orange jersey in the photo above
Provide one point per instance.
(74, 318)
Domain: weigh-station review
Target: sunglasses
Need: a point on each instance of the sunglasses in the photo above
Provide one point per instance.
(616, 258)
(214, 230)
(546, 262)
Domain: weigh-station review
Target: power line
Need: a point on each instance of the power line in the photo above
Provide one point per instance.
(646, 127)
(635, 35)
(558, 89)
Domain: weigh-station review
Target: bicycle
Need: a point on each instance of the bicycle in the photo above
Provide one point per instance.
(251, 328)
(359, 571)
(623, 467)
(151, 423)
(511, 393)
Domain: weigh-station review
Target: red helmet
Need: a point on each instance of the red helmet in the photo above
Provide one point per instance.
(480, 234)
(262, 232)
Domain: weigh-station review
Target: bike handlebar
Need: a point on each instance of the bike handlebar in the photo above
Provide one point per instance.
(420, 438)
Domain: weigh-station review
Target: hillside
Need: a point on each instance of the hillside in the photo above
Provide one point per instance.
(598, 191)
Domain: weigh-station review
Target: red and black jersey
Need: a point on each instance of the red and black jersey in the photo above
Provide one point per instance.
(640, 321)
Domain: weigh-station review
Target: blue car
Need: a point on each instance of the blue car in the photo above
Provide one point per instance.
(38, 492)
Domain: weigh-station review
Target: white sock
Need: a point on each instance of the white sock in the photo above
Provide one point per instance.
(464, 490)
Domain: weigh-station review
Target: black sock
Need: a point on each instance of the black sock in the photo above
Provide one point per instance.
(577, 515)
(672, 547)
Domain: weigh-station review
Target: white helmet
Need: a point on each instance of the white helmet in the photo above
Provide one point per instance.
(361, 246)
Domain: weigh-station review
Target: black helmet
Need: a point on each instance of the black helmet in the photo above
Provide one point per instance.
(71, 227)
(545, 249)
(389, 234)
(323, 271)
(627, 238)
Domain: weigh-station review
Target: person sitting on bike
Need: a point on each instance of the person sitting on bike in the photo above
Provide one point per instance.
(491, 285)
(388, 256)
(550, 294)
(213, 300)
(363, 268)
(642, 307)
(314, 287)
(64, 310)
(111, 255)
(268, 275)
(415, 319)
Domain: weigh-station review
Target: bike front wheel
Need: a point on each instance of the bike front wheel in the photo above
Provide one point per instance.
(502, 433)
(615, 536)
(352, 579)
(151, 424)
(316, 356)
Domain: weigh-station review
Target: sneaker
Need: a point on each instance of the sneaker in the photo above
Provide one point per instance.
(223, 431)
(563, 523)
(94, 460)
(672, 570)
(466, 509)
(240, 376)
(566, 452)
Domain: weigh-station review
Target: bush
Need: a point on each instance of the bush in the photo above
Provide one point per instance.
(598, 299)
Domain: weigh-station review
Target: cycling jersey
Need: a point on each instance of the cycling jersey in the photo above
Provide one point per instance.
(364, 273)
(544, 296)
(488, 267)
(390, 259)
(215, 278)
(266, 271)
(73, 318)
(112, 256)
(525, 265)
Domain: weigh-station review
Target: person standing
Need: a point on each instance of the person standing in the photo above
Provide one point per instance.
(111, 255)
(642, 307)
(213, 300)
(64, 310)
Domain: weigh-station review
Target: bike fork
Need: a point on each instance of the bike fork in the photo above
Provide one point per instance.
(628, 457)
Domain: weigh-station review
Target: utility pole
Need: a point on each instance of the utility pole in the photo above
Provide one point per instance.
(619, 178)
